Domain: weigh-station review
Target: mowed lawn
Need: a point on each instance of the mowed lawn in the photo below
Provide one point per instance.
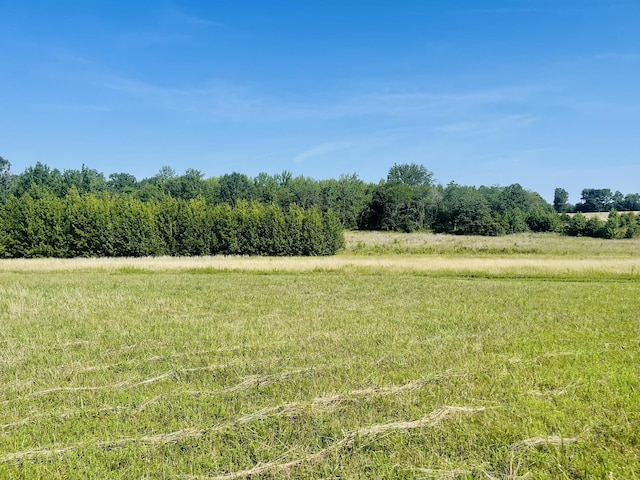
(346, 369)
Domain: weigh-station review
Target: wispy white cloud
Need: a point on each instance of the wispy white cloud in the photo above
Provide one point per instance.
(184, 17)
(501, 125)
(79, 107)
(429, 103)
(223, 100)
(170, 25)
(460, 127)
(217, 99)
(321, 150)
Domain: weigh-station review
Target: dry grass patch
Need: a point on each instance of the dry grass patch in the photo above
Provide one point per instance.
(417, 263)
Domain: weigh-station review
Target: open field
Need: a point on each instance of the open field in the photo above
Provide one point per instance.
(460, 358)
(525, 254)
(602, 215)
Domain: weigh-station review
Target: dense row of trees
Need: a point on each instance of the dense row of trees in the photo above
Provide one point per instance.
(596, 200)
(46, 211)
(617, 225)
(345, 196)
(114, 226)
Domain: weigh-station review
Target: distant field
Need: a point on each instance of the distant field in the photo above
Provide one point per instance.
(600, 215)
(406, 356)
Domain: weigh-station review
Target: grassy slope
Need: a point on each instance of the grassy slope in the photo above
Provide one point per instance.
(346, 371)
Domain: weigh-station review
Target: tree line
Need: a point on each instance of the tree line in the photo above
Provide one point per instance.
(596, 200)
(123, 226)
(48, 212)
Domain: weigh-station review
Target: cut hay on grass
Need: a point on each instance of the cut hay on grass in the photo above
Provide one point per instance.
(116, 386)
(159, 439)
(289, 409)
(542, 441)
(431, 420)
(251, 381)
(324, 372)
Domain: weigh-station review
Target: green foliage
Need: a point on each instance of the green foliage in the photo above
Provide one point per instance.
(576, 225)
(595, 228)
(595, 200)
(135, 230)
(346, 197)
(515, 221)
(408, 200)
(621, 226)
(391, 209)
(266, 187)
(122, 183)
(630, 223)
(332, 233)
(85, 181)
(466, 211)
(410, 174)
(32, 228)
(91, 226)
(38, 180)
(87, 226)
(236, 186)
(626, 225)
(560, 200)
(301, 190)
(543, 220)
(631, 202)
(6, 179)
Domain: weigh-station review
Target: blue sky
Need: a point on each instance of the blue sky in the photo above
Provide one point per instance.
(544, 93)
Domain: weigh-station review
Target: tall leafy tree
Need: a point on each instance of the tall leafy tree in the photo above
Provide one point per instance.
(560, 200)
(5, 178)
(617, 200)
(407, 201)
(266, 187)
(631, 202)
(346, 197)
(122, 183)
(86, 180)
(466, 211)
(188, 186)
(303, 191)
(595, 200)
(410, 174)
(236, 186)
(38, 180)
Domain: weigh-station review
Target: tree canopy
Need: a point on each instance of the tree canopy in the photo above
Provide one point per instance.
(45, 211)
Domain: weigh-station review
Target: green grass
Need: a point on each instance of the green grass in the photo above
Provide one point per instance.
(522, 245)
(352, 372)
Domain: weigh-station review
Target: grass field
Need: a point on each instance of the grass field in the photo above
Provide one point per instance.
(416, 356)
(602, 215)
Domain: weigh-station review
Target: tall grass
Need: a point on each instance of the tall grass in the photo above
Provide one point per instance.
(524, 244)
(353, 372)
